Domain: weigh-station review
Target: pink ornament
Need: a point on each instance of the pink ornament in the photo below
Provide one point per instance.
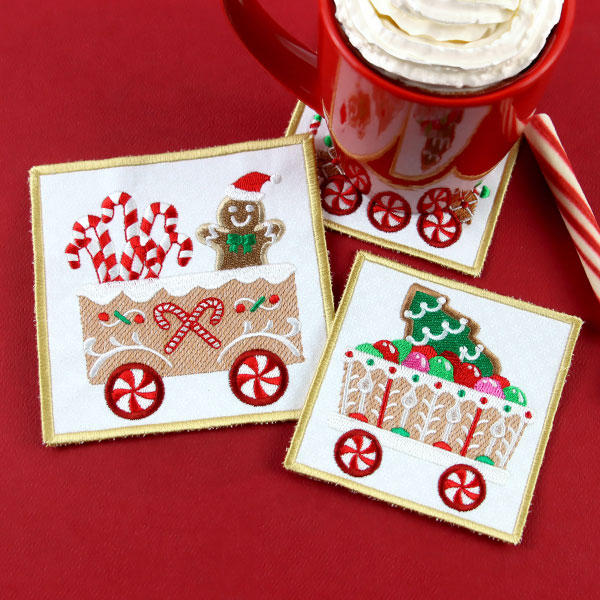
(489, 386)
(417, 361)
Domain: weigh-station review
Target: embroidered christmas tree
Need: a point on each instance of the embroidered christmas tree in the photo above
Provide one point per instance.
(431, 322)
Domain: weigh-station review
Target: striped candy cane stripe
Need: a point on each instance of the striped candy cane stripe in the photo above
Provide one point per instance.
(90, 233)
(572, 203)
(156, 254)
(152, 212)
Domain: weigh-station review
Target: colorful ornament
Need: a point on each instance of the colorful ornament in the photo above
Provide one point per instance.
(467, 374)
(369, 349)
(441, 367)
(488, 385)
(404, 348)
(416, 361)
(514, 394)
(388, 350)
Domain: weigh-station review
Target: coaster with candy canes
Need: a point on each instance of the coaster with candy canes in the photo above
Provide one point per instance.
(178, 301)
(440, 400)
(450, 222)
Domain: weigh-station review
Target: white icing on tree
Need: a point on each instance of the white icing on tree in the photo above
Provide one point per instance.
(425, 309)
(446, 329)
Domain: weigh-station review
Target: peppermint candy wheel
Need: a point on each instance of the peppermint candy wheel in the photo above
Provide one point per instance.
(339, 196)
(388, 212)
(462, 487)
(134, 391)
(440, 228)
(358, 453)
(357, 175)
(435, 199)
(258, 377)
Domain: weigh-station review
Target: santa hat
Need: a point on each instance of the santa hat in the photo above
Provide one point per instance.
(248, 186)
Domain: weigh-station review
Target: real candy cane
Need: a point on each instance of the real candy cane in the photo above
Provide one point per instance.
(572, 203)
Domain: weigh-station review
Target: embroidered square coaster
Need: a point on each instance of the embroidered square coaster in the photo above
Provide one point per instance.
(440, 399)
(170, 294)
(450, 223)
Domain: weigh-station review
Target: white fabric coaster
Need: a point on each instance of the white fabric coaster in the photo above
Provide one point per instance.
(458, 239)
(440, 399)
(169, 290)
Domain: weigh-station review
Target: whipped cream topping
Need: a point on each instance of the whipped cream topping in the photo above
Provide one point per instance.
(451, 44)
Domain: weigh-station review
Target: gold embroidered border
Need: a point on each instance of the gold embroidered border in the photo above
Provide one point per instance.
(50, 438)
(486, 239)
(291, 458)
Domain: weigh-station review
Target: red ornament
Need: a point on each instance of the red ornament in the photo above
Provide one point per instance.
(103, 316)
(389, 351)
(240, 308)
(452, 357)
(428, 351)
(138, 319)
(467, 374)
(274, 299)
(502, 381)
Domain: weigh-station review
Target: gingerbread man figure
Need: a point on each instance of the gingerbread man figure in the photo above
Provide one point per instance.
(242, 236)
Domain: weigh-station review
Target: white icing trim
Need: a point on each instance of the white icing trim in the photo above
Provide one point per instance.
(143, 290)
(425, 309)
(446, 329)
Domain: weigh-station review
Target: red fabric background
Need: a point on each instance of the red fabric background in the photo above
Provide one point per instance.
(213, 514)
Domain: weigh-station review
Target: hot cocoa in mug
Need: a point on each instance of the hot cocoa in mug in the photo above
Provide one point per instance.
(415, 90)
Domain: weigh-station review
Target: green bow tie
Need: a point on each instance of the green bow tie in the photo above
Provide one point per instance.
(235, 240)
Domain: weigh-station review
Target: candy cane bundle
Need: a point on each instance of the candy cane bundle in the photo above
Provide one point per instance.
(141, 255)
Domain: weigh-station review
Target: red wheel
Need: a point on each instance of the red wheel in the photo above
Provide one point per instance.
(134, 391)
(339, 196)
(388, 212)
(434, 199)
(439, 229)
(461, 487)
(358, 453)
(357, 175)
(258, 377)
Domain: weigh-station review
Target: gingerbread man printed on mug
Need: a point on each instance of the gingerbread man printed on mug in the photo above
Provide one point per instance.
(242, 235)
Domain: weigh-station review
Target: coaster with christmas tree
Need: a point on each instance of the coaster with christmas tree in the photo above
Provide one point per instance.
(450, 222)
(449, 418)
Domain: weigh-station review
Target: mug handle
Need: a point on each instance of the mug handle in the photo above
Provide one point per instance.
(288, 60)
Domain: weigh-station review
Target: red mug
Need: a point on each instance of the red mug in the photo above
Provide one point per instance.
(408, 138)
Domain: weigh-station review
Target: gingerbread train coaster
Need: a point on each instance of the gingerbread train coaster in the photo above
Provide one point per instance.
(440, 400)
(450, 222)
(169, 291)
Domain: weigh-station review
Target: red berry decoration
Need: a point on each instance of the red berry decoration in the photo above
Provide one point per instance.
(274, 299)
(502, 381)
(428, 351)
(349, 354)
(467, 374)
(389, 351)
(528, 414)
(138, 319)
(240, 308)
(437, 385)
(452, 357)
(103, 316)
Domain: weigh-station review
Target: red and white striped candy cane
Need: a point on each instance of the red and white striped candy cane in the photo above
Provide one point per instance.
(133, 255)
(190, 321)
(572, 203)
(90, 233)
(152, 212)
(156, 254)
(72, 252)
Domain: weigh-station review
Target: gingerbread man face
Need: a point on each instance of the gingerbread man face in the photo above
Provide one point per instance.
(240, 216)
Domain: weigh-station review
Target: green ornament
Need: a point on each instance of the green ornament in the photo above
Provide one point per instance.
(485, 459)
(400, 431)
(318, 118)
(327, 141)
(514, 394)
(404, 349)
(369, 349)
(441, 367)
(485, 192)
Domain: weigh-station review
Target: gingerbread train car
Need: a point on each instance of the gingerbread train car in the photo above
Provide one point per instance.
(436, 394)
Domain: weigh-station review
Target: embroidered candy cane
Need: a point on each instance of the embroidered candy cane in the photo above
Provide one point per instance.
(72, 252)
(90, 233)
(154, 210)
(133, 256)
(190, 322)
(156, 254)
